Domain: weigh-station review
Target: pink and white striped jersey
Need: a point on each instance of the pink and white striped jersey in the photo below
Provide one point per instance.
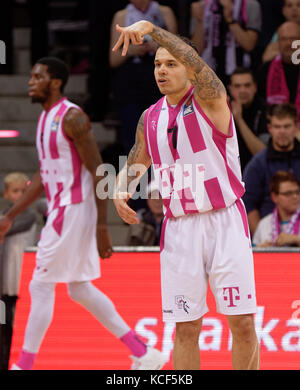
(66, 180)
(196, 165)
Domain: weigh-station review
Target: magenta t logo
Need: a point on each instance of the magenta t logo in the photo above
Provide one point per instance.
(231, 293)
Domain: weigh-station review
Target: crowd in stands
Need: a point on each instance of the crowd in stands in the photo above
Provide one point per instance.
(262, 80)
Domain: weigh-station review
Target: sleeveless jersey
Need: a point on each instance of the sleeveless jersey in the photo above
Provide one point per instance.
(196, 165)
(65, 178)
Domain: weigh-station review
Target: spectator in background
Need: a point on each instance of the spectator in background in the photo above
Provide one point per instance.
(226, 33)
(249, 111)
(282, 226)
(278, 80)
(291, 12)
(134, 87)
(20, 236)
(271, 19)
(147, 232)
(281, 153)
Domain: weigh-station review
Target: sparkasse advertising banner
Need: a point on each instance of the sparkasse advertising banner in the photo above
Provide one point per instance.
(76, 341)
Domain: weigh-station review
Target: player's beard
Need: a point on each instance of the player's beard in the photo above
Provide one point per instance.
(42, 98)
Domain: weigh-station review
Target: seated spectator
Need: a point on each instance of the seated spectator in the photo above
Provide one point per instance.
(134, 87)
(249, 112)
(226, 33)
(281, 153)
(278, 80)
(147, 232)
(282, 226)
(20, 236)
(291, 12)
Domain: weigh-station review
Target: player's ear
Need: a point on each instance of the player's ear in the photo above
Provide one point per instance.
(56, 84)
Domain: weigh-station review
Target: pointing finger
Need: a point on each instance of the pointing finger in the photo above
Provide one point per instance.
(125, 45)
(119, 43)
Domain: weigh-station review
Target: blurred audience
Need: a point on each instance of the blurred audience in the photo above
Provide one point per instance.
(281, 153)
(291, 12)
(249, 112)
(272, 18)
(226, 33)
(134, 87)
(282, 226)
(39, 16)
(278, 80)
(147, 232)
(21, 235)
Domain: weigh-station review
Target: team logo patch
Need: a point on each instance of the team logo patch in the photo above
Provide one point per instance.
(55, 123)
(181, 303)
(188, 108)
(153, 125)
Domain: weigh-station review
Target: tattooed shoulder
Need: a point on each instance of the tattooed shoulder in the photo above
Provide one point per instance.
(76, 123)
(207, 85)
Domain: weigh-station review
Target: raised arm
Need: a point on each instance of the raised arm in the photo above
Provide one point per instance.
(246, 37)
(209, 90)
(208, 87)
(115, 57)
(137, 164)
(78, 128)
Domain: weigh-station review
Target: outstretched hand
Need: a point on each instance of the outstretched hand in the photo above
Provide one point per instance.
(125, 212)
(132, 34)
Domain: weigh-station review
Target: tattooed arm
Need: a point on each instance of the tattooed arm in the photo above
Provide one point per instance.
(78, 128)
(209, 91)
(137, 164)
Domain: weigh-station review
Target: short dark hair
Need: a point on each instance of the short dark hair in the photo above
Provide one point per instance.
(187, 41)
(57, 69)
(283, 110)
(242, 70)
(281, 177)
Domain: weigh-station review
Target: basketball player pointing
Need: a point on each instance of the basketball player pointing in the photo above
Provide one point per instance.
(203, 237)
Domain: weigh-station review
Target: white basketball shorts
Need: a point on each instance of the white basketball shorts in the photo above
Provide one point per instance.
(67, 250)
(215, 247)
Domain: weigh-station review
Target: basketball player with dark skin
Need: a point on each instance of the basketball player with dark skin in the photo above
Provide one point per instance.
(177, 67)
(48, 78)
(47, 91)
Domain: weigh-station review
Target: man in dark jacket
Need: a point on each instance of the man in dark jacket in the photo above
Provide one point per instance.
(282, 153)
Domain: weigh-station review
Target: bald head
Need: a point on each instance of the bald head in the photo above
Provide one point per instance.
(287, 33)
(289, 27)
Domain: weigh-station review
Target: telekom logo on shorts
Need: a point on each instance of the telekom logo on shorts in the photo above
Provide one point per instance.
(231, 294)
